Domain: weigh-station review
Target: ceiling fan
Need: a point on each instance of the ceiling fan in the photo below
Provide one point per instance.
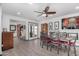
(46, 12)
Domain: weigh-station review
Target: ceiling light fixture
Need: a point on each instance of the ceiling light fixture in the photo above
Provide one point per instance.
(43, 14)
(77, 8)
(30, 3)
(18, 13)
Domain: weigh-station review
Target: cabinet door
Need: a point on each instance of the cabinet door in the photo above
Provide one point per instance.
(11, 40)
(7, 40)
(44, 27)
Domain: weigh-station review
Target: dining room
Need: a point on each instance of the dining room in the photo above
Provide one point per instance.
(47, 29)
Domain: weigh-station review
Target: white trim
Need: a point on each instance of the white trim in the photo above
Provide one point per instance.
(0, 31)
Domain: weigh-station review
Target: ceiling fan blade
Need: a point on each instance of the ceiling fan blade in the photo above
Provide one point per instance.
(37, 11)
(46, 9)
(40, 14)
(51, 12)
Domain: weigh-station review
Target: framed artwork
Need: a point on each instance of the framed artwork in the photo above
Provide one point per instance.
(70, 23)
(12, 27)
(56, 25)
(50, 26)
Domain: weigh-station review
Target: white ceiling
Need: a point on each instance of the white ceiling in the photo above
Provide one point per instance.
(27, 10)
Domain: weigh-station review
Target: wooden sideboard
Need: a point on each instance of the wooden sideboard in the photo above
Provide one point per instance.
(7, 40)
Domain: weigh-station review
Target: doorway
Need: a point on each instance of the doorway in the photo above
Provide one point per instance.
(18, 28)
(33, 30)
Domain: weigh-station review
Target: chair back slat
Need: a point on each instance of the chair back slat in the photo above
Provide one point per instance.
(74, 37)
(63, 35)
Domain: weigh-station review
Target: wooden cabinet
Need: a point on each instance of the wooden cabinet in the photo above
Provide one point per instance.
(7, 40)
(44, 27)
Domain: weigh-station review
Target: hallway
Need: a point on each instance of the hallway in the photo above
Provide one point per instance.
(33, 48)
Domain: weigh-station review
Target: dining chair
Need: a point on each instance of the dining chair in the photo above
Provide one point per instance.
(45, 41)
(55, 41)
(48, 42)
(72, 37)
(62, 37)
(41, 40)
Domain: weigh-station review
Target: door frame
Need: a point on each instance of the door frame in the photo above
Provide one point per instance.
(28, 29)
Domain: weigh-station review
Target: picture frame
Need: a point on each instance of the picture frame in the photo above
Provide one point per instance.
(56, 25)
(12, 27)
(70, 22)
(50, 26)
